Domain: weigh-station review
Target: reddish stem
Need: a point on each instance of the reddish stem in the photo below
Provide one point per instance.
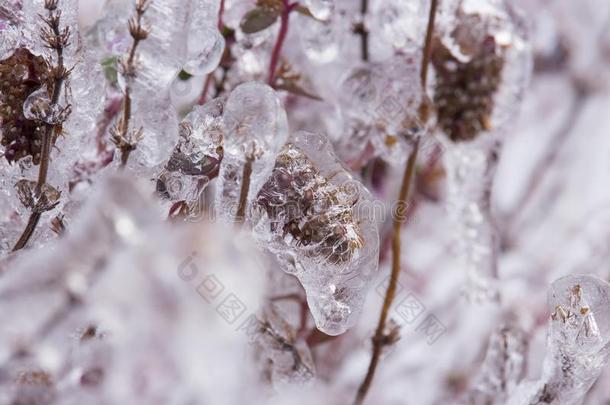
(210, 76)
(206, 87)
(277, 49)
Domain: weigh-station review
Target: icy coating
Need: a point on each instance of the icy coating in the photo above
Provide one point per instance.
(381, 106)
(578, 342)
(197, 157)
(256, 128)
(482, 65)
(320, 223)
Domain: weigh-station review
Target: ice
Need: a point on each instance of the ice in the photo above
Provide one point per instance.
(197, 157)
(9, 33)
(321, 9)
(469, 179)
(255, 121)
(482, 68)
(380, 108)
(578, 342)
(402, 24)
(94, 326)
(320, 39)
(503, 368)
(256, 128)
(38, 107)
(205, 44)
(313, 215)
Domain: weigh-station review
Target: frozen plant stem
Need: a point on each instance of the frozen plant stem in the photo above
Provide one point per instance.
(381, 338)
(277, 49)
(240, 216)
(55, 39)
(125, 142)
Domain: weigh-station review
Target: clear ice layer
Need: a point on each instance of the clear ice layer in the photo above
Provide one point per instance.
(320, 223)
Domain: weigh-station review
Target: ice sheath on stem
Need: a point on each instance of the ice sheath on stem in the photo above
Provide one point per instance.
(481, 61)
(578, 342)
(318, 220)
(44, 107)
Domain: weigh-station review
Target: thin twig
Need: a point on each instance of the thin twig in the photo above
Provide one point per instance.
(240, 216)
(397, 220)
(428, 44)
(381, 338)
(55, 39)
(125, 142)
(279, 43)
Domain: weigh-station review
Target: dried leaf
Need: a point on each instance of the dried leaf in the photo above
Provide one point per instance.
(258, 19)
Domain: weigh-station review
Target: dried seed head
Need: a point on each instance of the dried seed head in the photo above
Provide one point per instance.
(21, 75)
(465, 91)
(316, 213)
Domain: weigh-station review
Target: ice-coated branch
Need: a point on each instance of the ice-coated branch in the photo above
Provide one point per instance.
(126, 141)
(578, 342)
(503, 368)
(380, 339)
(40, 196)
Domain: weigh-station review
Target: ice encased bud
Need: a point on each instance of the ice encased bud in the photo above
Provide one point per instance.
(197, 156)
(312, 214)
(38, 107)
(483, 63)
(579, 336)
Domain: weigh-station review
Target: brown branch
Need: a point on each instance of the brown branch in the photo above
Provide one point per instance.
(428, 44)
(360, 29)
(381, 338)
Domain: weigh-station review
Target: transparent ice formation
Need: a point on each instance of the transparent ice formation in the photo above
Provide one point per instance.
(320, 39)
(470, 174)
(316, 218)
(38, 107)
(380, 107)
(578, 342)
(320, 9)
(482, 66)
(197, 157)
(402, 24)
(256, 128)
(205, 44)
(503, 368)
